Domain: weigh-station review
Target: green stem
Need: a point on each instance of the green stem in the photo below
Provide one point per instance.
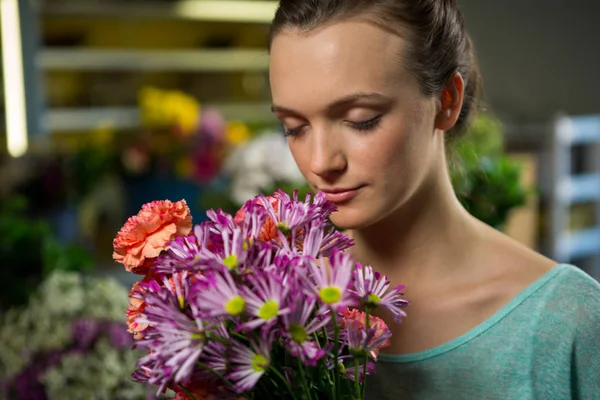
(327, 375)
(364, 382)
(284, 381)
(264, 390)
(336, 344)
(217, 374)
(356, 382)
(187, 392)
(239, 336)
(303, 375)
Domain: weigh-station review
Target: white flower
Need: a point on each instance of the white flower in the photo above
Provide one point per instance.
(259, 164)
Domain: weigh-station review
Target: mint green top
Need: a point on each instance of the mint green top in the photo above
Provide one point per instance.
(543, 345)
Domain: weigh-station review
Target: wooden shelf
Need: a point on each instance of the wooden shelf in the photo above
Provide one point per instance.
(86, 119)
(203, 10)
(156, 60)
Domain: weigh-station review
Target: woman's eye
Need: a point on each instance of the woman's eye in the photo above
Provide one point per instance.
(292, 131)
(366, 125)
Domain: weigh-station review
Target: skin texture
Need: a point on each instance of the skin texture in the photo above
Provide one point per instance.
(329, 85)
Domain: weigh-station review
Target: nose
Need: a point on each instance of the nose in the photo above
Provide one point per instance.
(328, 158)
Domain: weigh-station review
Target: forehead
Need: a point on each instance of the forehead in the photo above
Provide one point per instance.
(332, 61)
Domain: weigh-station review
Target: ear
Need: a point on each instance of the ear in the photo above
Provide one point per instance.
(450, 103)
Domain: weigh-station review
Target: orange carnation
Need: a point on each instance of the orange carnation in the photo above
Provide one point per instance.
(136, 308)
(268, 231)
(146, 235)
(374, 322)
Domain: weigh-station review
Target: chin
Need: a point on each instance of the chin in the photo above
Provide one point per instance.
(346, 219)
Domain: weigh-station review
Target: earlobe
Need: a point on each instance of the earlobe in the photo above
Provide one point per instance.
(451, 100)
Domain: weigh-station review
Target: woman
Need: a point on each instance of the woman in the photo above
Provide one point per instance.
(369, 92)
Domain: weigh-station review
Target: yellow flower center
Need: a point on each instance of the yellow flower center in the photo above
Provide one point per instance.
(330, 294)
(298, 333)
(284, 228)
(235, 306)
(259, 363)
(373, 298)
(181, 302)
(198, 336)
(248, 243)
(231, 261)
(268, 310)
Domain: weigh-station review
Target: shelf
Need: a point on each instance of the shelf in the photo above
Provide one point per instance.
(86, 119)
(580, 244)
(582, 188)
(164, 60)
(203, 10)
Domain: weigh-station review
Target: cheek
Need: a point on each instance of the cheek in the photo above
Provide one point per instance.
(301, 156)
(397, 157)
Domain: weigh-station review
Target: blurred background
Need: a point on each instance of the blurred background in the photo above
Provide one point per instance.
(110, 104)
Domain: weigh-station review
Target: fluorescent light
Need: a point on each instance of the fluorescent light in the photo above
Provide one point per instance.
(227, 10)
(14, 86)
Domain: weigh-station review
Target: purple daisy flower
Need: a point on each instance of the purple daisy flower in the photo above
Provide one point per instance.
(249, 363)
(217, 295)
(214, 357)
(221, 220)
(321, 205)
(350, 372)
(371, 289)
(318, 243)
(330, 283)
(235, 248)
(189, 253)
(252, 219)
(290, 214)
(265, 301)
(299, 326)
(175, 335)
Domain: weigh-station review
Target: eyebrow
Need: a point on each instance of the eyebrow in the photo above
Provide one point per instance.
(336, 104)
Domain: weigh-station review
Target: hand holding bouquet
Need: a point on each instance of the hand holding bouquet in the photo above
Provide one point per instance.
(263, 304)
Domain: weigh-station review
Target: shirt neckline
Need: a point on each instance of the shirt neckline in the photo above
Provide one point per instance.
(479, 329)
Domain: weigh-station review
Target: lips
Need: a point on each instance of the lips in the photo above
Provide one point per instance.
(340, 195)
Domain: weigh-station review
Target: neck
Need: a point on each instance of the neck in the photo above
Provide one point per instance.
(422, 237)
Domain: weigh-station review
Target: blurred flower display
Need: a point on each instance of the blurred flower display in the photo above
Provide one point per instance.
(180, 138)
(258, 166)
(69, 342)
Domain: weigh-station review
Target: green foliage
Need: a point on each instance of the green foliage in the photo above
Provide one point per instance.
(88, 165)
(29, 251)
(486, 181)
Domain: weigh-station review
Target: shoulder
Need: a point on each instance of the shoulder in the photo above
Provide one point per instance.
(573, 297)
(579, 296)
(575, 286)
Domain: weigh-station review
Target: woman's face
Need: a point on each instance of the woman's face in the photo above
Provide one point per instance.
(357, 124)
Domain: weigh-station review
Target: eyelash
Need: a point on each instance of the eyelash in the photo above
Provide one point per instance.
(358, 126)
(367, 125)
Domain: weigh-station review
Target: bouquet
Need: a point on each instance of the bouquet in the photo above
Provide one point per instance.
(69, 342)
(257, 305)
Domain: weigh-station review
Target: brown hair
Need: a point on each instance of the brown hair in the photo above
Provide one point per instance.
(439, 44)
